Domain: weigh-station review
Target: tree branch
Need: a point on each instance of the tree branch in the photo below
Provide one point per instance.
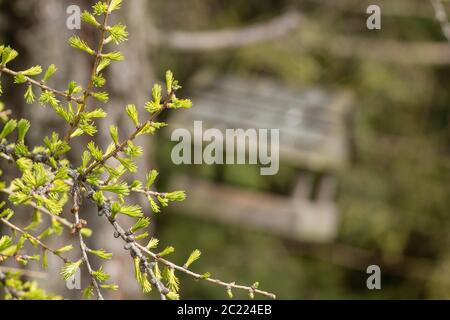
(121, 146)
(90, 85)
(130, 243)
(232, 285)
(83, 247)
(41, 85)
(137, 249)
(39, 242)
(229, 38)
(32, 204)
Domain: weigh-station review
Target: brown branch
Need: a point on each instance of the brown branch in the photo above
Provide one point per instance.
(230, 38)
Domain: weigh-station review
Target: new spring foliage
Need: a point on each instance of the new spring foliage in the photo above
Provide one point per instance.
(49, 184)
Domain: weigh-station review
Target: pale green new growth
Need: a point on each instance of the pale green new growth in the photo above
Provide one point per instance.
(195, 255)
(49, 181)
(70, 269)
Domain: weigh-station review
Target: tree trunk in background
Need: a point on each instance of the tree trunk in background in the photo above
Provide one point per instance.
(38, 29)
(130, 82)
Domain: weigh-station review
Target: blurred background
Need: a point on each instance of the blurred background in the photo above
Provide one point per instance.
(364, 150)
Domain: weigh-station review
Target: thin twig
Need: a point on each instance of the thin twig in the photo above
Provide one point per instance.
(39, 242)
(130, 244)
(41, 85)
(66, 223)
(118, 148)
(137, 250)
(78, 225)
(32, 204)
(199, 276)
(149, 192)
(90, 85)
(84, 249)
(106, 211)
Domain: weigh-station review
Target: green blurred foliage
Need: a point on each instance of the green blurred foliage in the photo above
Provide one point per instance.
(394, 196)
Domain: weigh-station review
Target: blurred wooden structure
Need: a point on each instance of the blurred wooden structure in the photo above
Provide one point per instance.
(314, 139)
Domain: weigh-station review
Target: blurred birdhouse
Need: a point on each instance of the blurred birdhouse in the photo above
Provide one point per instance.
(314, 140)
